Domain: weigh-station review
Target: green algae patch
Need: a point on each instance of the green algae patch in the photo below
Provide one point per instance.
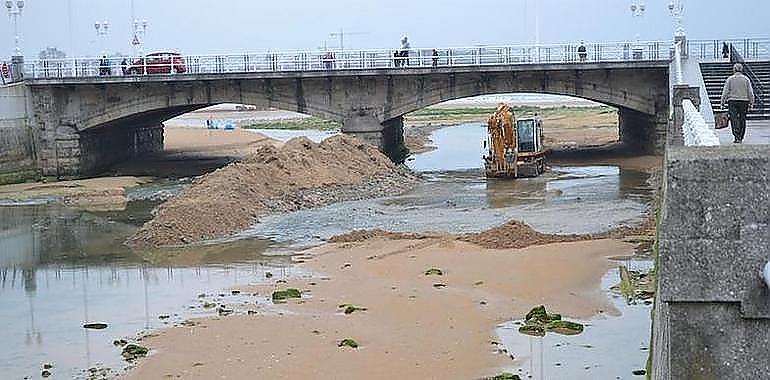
(506, 376)
(434, 272)
(532, 330)
(283, 295)
(635, 286)
(564, 327)
(539, 315)
(538, 322)
(132, 352)
(350, 309)
(347, 342)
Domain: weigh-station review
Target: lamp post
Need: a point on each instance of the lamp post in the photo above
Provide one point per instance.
(140, 30)
(102, 29)
(676, 7)
(637, 11)
(13, 15)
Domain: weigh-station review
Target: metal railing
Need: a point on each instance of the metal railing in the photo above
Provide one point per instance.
(713, 50)
(333, 60)
(293, 61)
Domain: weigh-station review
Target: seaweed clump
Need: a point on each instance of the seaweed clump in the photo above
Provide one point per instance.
(283, 295)
(538, 322)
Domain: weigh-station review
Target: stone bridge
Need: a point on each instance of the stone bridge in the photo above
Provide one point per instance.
(82, 125)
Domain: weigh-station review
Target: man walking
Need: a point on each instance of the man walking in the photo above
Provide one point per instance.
(739, 96)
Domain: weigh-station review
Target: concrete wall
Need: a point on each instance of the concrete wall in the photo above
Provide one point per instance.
(17, 160)
(368, 104)
(712, 316)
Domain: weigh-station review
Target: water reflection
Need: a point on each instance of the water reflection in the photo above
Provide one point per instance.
(60, 268)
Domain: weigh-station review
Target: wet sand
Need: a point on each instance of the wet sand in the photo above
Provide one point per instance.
(413, 328)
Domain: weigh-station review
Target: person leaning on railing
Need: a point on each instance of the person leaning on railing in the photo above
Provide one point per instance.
(739, 96)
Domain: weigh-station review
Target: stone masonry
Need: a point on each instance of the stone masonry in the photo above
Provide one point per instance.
(82, 125)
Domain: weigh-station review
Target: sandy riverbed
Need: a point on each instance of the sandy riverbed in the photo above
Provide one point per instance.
(412, 329)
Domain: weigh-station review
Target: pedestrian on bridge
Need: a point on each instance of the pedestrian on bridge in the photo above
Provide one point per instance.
(739, 96)
(582, 52)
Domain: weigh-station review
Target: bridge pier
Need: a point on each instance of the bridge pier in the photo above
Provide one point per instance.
(642, 132)
(388, 136)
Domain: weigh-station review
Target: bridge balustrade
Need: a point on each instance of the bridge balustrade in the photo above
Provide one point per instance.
(373, 59)
(300, 61)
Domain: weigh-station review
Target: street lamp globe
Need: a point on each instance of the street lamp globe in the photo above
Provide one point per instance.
(9, 5)
(97, 26)
(633, 8)
(20, 4)
(106, 25)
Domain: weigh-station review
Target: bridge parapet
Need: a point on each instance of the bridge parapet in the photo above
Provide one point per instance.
(339, 60)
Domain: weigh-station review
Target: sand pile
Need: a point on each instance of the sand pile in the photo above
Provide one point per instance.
(515, 234)
(361, 235)
(511, 235)
(300, 174)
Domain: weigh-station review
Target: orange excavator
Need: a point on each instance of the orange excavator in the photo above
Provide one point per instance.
(515, 146)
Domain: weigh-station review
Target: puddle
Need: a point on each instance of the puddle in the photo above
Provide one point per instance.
(608, 348)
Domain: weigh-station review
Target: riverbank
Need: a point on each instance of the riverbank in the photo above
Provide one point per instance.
(423, 326)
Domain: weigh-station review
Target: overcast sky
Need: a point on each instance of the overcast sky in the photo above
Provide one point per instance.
(211, 26)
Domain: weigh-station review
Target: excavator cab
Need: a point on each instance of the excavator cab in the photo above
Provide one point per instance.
(529, 135)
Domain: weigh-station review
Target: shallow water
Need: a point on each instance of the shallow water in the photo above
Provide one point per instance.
(608, 348)
(60, 268)
(456, 197)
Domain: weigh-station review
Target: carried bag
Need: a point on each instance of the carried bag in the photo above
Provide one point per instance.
(721, 119)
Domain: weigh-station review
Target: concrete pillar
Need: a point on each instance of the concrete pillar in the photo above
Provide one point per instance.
(681, 92)
(641, 132)
(366, 128)
(388, 136)
(393, 140)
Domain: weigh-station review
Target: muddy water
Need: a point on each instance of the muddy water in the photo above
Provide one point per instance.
(60, 268)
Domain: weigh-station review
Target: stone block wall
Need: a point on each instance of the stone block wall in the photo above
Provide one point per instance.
(17, 153)
(712, 316)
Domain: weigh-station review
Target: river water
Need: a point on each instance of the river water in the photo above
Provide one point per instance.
(61, 268)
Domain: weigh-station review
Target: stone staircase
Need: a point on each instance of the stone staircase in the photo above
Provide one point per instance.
(716, 73)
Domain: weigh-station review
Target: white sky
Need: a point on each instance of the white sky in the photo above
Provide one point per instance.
(211, 26)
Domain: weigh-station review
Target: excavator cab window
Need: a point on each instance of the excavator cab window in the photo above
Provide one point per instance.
(525, 135)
